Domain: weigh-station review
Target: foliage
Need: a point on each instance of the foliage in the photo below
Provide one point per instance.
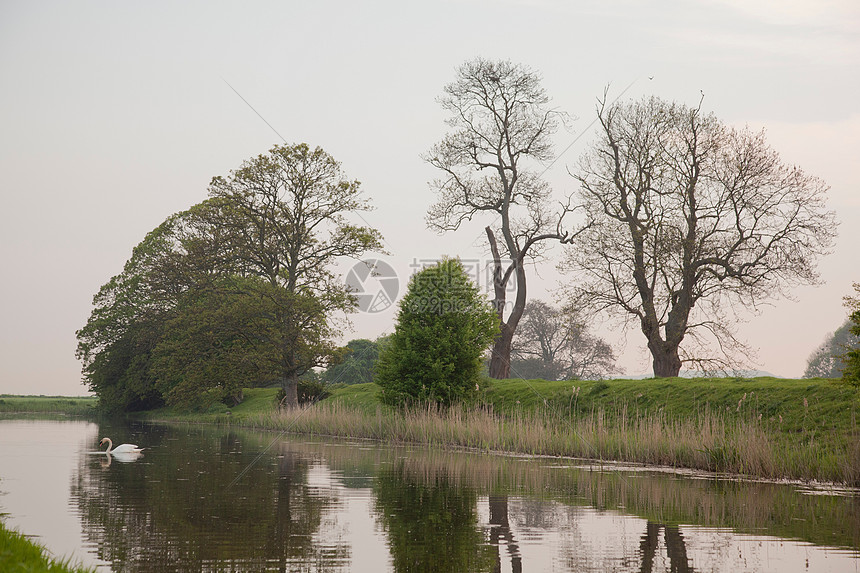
(693, 219)
(235, 336)
(826, 360)
(358, 363)
(236, 291)
(502, 126)
(128, 313)
(443, 328)
(852, 357)
(554, 344)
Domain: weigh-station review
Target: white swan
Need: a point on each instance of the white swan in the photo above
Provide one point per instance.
(120, 449)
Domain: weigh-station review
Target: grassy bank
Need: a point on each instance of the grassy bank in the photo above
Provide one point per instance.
(19, 554)
(47, 405)
(763, 427)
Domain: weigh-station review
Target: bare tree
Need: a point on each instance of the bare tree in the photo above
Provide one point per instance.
(694, 220)
(555, 344)
(501, 120)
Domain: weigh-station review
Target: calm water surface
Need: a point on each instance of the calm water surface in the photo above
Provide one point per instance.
(204, 499)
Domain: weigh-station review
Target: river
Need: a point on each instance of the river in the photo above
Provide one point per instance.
(220, 499)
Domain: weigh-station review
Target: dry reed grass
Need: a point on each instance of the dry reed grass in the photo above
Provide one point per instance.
(710, 442)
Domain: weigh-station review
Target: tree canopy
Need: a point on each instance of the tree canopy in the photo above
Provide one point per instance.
(693, 220)
(358, 362)
(237, 290)
(851, 359)
(443, 328)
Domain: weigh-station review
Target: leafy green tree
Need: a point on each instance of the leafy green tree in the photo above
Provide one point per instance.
(126, 322)
(284, 219)
(358, 363)
(443, 328)
(851, 373)
(235, 336)
(237, 289)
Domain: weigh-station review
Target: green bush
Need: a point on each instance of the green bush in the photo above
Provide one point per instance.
(443, 328)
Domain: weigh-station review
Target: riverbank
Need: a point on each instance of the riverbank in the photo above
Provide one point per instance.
(19, 554)
(758, 428)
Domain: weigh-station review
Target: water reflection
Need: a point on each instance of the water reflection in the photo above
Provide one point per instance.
(676, 548)
(432, 523)
(209, 499)
(178, 511)
(501, 535)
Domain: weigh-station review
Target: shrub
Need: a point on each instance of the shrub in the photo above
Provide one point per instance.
(443, 328)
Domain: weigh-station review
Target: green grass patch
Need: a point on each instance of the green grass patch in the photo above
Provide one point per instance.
(19, 555)
(256, 401)
(82, 406)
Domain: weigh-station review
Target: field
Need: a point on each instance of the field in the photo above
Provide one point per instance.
(47, 405)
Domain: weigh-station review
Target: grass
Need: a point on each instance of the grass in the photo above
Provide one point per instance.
(18, 555)
(763, 427)
(256, 401)
(83, 406)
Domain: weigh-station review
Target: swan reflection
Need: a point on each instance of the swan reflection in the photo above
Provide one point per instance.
(124, 457)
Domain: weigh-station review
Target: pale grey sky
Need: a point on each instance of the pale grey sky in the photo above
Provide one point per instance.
(115, 115)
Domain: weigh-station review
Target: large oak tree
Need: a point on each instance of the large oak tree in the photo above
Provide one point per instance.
(694, 220)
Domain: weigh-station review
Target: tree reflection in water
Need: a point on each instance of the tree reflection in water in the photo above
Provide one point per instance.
(432, 524)
(434, 510)
(178, 513)
(500, 532)
(676, 548)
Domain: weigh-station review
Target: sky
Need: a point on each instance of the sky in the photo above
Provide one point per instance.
(114, 115)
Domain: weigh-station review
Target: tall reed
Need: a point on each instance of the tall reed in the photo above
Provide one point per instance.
(712, 441)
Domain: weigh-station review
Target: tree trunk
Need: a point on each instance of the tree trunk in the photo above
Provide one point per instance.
(667, 362)
(500, 359)
(291, 391)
